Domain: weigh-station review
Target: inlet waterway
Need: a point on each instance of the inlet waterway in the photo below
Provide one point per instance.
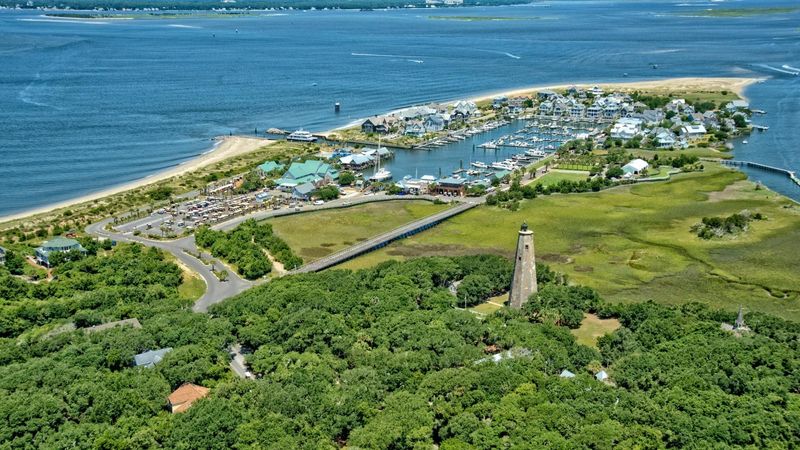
(86, 105)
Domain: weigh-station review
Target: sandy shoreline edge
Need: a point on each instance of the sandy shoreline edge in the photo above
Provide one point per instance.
(231, 146)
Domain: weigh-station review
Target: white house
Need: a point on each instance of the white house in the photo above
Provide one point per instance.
(693, 131)
(626, 128)
(635, 167)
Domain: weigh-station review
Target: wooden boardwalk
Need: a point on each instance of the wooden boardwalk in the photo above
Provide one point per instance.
(791, 174)
(384, 239)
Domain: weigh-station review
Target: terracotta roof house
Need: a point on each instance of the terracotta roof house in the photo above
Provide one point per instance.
(184, 396)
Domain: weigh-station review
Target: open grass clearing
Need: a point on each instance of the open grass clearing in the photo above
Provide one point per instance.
(554, 176)
(317, 234)
(490, 305)
(634, 243)
(592, 327)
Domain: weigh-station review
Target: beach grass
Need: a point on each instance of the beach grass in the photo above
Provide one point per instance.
(593, 327)
(691, 151)
(634, 243)
(490, 305)
(317, 234)
(192, 287)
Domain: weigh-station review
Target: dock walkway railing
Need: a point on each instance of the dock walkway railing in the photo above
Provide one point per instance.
(384, 239)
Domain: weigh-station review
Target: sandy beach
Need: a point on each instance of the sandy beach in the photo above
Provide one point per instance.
(229, 147)
(225, 148)
(733, 84)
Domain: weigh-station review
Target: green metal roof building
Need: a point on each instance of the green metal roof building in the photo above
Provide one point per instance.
(57, 245)
(270, 166)
(311, 171)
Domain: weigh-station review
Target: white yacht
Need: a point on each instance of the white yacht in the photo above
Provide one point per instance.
(301, 136)
(380, 174)
(479, 165)
(501, 166)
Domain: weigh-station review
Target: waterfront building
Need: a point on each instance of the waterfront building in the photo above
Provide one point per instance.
(596, 91)
(546, 108)
(452, 186)
(524, 283)
(499, 102)
(434, 123)
(56, 245)
(311, 171)
(414, 128)
(737, 105)
(356, 161)
(377, 124)
(150, 358)
(183, 397)
(465, 109)
(303, 191)
(546, 94)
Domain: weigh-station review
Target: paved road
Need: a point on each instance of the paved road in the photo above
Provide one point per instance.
(216, 290)
(382, 239)
(343, 202)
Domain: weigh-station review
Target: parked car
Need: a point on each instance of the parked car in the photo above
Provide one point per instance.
(319, 202)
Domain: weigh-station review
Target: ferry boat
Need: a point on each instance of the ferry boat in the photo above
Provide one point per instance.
(479, 165)
(301, 136)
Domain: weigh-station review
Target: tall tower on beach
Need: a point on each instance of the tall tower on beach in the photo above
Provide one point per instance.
(524, 283)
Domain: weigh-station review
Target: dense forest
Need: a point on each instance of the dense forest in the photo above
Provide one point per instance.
(203, 5)
(382, 358)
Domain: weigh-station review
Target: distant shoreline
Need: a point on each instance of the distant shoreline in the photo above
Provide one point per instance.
(225, 148)
(229, 147)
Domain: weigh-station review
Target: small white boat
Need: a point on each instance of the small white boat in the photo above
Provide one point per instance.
(744, 141)
(381, 175)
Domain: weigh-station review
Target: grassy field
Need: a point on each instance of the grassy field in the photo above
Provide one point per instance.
(634, 243)
(555, 176)
(592, 327)
(317, 234)
(692, 151)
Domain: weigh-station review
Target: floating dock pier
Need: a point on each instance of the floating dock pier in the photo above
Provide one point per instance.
(789, 173)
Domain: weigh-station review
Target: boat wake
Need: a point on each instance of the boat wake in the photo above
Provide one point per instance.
(418, 61)
(788, 67)
(512, 55)
(177, 25)
(26, 95)
(380, 55)
(776, 69)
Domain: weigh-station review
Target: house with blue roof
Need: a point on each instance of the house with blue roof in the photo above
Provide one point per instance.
(313, 171)
(303, 191)
(150, 358)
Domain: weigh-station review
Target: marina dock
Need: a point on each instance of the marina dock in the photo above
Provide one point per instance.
(791, 174)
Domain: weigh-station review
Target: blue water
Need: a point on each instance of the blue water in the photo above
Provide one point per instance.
(85, 106)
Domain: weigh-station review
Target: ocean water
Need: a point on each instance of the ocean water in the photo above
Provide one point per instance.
(85, 105)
